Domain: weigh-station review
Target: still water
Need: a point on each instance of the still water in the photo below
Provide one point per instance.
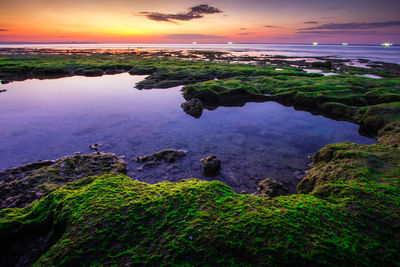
(48, 119)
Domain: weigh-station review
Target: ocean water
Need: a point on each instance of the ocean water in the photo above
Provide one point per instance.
(48, 119)
(375, 53)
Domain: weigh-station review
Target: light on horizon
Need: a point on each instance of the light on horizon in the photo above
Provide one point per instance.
(230, 43)
(345, 44)
(315, 43)
(386, 44)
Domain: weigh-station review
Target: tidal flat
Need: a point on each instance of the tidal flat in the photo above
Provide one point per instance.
(332, 141)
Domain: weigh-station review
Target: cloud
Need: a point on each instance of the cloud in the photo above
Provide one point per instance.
(271, 26)
(3, 30)
(192, 36)
(336, 32)
(245, 33)
(311, 22)
(354, 26)
(195, 12)
(243, 28)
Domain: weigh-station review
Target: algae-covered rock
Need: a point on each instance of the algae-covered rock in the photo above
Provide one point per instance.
(210, 166)
(114, 220)
(271, 188)
(21, 185)
(166, 155)
(193, 107)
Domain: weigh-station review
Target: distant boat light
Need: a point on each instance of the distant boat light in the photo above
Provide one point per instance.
(315, 43)
(230, 42)
(194, 42)
(386, 44)
(345, 44)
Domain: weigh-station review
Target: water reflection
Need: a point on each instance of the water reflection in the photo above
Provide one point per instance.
(47, 119)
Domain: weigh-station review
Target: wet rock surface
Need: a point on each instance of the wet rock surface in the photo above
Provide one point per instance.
(210, 166)
(3, 90)
(165, 155)
(193, 107)
(271, 188)
(21, 185)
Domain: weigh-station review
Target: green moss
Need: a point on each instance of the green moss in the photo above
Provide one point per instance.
(114, 220)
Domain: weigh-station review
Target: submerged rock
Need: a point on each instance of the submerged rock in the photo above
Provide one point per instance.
(4, 82)
(3, 90)
(271, 188)
(193, 107)
(166, 155)
(21, 185)
(95, 147)
(210, 165)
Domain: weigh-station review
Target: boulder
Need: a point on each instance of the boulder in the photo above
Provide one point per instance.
(166, 155)
(210, 165)
(271, 188)
(193, 107)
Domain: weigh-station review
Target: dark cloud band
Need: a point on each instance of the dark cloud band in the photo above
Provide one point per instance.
(354, 26)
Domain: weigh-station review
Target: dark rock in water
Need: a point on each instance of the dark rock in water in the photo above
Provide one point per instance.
(95, 147)
(166, 155)
(5, 82)
(193, 107)
(21, 185)
(210, 165)
(3, 90)
(271, 188)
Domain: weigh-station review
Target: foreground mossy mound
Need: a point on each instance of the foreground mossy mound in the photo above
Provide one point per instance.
(114, 220)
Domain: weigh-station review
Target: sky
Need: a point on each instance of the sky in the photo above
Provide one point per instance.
(214, 21)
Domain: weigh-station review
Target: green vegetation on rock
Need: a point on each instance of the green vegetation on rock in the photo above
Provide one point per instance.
(347, 211)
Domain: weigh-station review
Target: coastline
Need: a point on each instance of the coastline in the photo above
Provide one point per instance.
(348, 186)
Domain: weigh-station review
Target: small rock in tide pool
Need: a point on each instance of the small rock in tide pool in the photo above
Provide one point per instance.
(95, 147)
(193, 107)
(3, 90)
(211, 166)
(271, 188)
(166, 155)
(5, 82)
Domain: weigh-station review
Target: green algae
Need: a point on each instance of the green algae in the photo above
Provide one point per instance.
(347, 211)
(114, 220)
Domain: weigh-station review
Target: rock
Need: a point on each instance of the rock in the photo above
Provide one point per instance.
(21, 185)
(93, 72)
(193, 107)
(210, 165)
(95, 147)
(4, 82)
(166, 155)
(271, 188)
(3, 90)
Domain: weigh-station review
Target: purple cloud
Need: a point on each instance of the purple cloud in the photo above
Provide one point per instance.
(354, 26)
(195, 12)
(337, 32)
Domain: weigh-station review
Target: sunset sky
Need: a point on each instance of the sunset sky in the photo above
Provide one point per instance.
(218, 21)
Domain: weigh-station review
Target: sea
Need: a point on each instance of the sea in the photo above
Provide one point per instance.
(389, 54)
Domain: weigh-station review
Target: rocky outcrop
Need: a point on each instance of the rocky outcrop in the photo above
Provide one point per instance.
(21, 185)
(193, 107)
(210, 166)
(165, 155)
(271, 188)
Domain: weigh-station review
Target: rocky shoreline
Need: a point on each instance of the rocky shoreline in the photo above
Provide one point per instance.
(84, 210)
